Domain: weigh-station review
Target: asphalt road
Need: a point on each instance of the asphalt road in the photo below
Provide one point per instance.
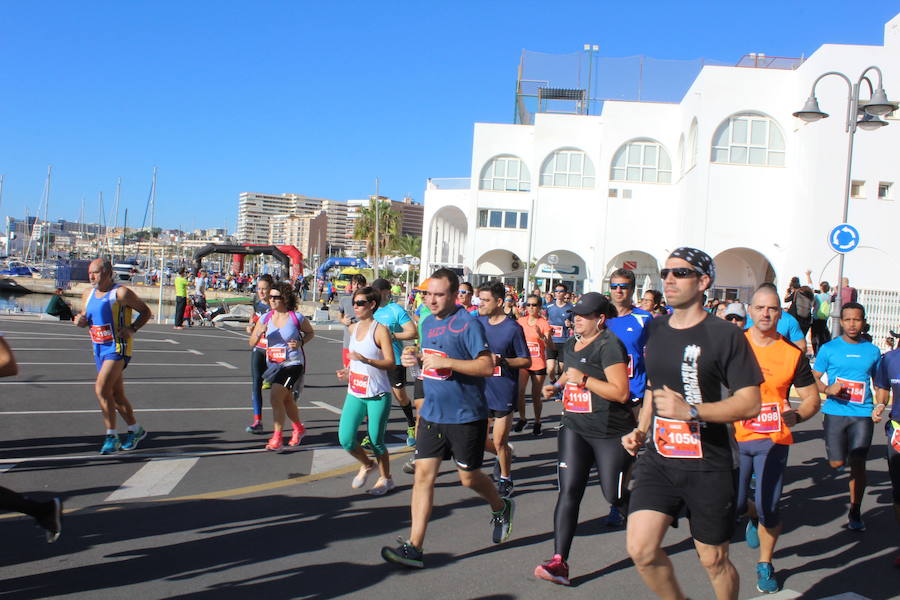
(201, 511)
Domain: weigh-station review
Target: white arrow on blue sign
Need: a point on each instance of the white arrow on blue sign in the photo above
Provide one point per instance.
(843, 238)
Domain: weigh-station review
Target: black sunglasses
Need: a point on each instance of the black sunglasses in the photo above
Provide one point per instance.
(619, 286)
(360, 302)
(275, 297)
(734, 318)
(531, 304)
(679, 273)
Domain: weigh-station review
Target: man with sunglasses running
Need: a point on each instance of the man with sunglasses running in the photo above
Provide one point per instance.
(692, 358)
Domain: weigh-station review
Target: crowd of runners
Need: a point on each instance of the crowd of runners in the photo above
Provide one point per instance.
(682, 414)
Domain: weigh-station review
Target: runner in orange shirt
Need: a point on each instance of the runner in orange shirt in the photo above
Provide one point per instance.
(537, 336)
(764, 441)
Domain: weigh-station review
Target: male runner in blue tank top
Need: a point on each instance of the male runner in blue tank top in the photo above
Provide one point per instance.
(107, 309)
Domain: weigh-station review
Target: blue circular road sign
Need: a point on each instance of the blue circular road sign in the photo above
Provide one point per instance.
(843, 238)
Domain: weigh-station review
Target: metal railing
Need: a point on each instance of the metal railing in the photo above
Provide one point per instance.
(449, 183)
(882, 312)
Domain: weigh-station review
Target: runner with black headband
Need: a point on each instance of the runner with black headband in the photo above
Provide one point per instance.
(692, 358)
(596, 415)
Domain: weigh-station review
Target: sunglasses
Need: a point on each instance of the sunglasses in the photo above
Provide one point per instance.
(559, 292)
(619, 286)
(360, 302)
(463, 292)
(275, 297)
(530, 305)
(734, 318)
(679, 273)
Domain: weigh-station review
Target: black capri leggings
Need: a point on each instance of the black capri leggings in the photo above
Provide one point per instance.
(577, 455)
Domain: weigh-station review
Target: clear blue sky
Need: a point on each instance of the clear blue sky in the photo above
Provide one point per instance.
(315, 98)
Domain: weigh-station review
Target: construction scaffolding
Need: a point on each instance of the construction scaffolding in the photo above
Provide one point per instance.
(580, 82)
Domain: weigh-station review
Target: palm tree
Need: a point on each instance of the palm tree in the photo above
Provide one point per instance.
(388, 225)
(408, 245)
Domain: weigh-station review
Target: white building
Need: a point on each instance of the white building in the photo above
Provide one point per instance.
(255, 210)
(727, 169)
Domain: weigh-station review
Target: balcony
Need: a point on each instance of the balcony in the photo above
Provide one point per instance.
(449, 183)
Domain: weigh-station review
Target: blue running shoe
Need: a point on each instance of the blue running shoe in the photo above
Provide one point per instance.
(111, 444)
(614, 518)
(856, 524)
(765, 578)
(752, 536)
(133, 438)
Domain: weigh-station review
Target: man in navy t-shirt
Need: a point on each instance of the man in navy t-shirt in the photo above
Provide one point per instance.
(559, 315)
(887, 382)
(506, 340)
(453, 418)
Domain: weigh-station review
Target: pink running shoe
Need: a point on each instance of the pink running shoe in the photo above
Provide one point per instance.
(276, 442)
(555, 570)
(297, 435)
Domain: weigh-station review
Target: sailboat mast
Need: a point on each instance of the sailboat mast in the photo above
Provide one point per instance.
(116, 214)
(46, 214)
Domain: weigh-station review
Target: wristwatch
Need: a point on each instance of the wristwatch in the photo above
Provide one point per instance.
(584, 380)
(695, 414)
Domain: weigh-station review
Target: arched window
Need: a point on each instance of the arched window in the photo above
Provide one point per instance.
(692, 146)
(505, 173)
(748, 139)
(645, 161)
(568, 168)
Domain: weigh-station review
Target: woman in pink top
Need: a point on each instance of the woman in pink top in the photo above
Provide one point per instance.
(537, 336)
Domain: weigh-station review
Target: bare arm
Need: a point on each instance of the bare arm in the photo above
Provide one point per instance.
(409, 332)
(810, 403)
(130, 299)
(80, 319)
(634, 440)
(8, 366)
(882, 397)
(306, 331)
(742, 404)
(615, 389)
(518, 363)
(258, 332)
(480, 366)
(828, 390)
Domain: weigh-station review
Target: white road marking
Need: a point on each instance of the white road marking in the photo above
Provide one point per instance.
(85, 338)
(227, 365)
(141, 410)
(191, 350)
(135, 455)
(326, 406)
(128, 382)
(156, 478)
(132, 365)
(87, 350)
(326, 459)
(328, 339)
(782, 595)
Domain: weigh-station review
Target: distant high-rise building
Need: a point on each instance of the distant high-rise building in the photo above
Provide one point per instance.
(354, 247)
(255, 210)
(411, 216)
(308, 233)
(337, 226)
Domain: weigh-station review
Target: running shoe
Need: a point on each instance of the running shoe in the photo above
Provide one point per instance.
(297, 434)
(405, 554)
(555, 570)
(52, 521)
(411, 436)
(133, 438)
(361, 477)
(751, 534)
(255, 427)
(366, 444)
(266, 385)
(536, 430)
(382, 487)
(111, 444)
(502, 521)
(520, 424)
(856, 524)
(505, 488)
(409, 467)
(615, 518)
(276, 442)
(765, 578)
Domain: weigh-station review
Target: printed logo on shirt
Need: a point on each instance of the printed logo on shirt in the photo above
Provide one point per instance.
(689, 374)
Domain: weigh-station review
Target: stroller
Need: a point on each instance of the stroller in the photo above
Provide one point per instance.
(201, 313)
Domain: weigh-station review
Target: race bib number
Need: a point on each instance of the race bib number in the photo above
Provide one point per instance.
(677, 439)
(630, 366)
(556, 330)
(534, 349)
(101, 334)
(359, 384)
(498, 370)
(439, 374)
(895, 436)
(768, 420)
(853, 392)
(277, 354)
(576, 399)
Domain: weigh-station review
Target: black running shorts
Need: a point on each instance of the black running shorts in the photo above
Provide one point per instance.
(847, 437)
(463, 442)
(708, 496)
(397, 376)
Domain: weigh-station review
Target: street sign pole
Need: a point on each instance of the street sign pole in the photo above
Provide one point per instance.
(842, 238)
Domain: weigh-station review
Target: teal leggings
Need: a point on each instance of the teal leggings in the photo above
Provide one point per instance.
(377, 408)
